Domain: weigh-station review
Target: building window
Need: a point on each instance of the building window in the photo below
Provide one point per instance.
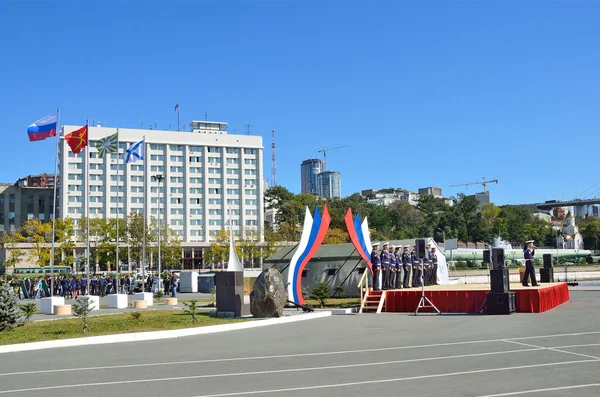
(214, 222)
(251, 212)
(195, 159)
(250, 192)
(215, 181)
(176, 179)
(195, 180)
(177, 190)
(176, 159)
(233, 160)
(196, 190)
(176, 169)
(233, 201)
(195, 149)
(113, 189)
(137, 167)
(250, 161)
(233, 171)
(249, 182)
(214, 160)
(214, 211)
(251, 202)
(121, 178)
(176, 211)
(137, 189)
(213, 190)
(213, 149)
(217, 201)
(250, 151)
(157, 168)
(195, 170)
(196, 211)
(176, 200)
(250, 222)
(214, 170)
(196, 222)
(75, 177)
(233, 191)
(196, 201)
(231, 181)
(250, 172)
(176, 148)
(157, 157)
(156, 146)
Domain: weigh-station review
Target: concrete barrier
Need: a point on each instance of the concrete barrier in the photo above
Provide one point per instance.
(140, 305)
(62, 310)
(171, 301)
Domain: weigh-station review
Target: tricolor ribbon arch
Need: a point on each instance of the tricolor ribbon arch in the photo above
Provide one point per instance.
(360, 236)
(313, 233)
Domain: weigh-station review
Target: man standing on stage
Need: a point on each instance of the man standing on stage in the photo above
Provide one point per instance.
(434, 266)
(406, 264)
(529, 255)
(385, 265)
(398, 256)
(376, 263)
(415, 268)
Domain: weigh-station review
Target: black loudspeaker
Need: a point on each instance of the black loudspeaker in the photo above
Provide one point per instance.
(420, 246)
(548, 261)
(547, 275)
(498, 258)
(499, 280)
(487, 258)
(501, 303)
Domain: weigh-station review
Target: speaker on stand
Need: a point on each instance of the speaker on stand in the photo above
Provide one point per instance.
(547, 272)
(500, 300)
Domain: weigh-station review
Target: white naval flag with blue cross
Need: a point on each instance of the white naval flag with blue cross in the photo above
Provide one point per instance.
(135, 152)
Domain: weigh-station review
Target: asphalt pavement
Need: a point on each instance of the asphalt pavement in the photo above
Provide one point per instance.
(556, 353)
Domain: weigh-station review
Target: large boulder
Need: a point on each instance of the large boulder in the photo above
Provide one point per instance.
(269, 295)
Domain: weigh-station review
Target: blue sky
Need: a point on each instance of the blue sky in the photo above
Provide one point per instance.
(424, 93)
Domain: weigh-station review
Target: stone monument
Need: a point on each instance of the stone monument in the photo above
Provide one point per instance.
(269, 295)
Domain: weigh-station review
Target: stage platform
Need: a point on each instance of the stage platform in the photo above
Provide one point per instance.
(471, 298)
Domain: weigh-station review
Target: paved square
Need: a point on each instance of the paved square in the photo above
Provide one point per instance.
(556, 353)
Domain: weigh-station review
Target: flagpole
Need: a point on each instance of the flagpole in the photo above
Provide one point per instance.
(87, 210)
(178, 117)
(144, 223)
(57, 135)
(117, 228)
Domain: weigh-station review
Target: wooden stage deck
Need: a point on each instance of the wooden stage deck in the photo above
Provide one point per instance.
(471, 298)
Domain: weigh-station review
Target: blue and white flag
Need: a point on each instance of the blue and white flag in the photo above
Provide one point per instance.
(135, 152)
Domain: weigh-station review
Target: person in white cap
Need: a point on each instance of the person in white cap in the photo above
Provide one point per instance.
(385, 265)
(529, 254)
(376, 264)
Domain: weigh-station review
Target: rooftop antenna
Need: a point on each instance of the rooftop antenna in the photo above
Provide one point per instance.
(169, 126)
(155, 126)
(273, 164)
(141, 123)
(248, 126)
(233, 130)
(205, 115)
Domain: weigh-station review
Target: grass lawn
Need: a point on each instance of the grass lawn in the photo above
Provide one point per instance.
(102, 325)
(335, 302)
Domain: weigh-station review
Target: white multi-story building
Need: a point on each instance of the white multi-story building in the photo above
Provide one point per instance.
(206, 174)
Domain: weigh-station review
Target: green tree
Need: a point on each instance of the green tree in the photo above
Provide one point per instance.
(14, 254)
(516, 217)
(38, 234)
(218, 251)
(591, 233)
(321, 293)
(10, 313)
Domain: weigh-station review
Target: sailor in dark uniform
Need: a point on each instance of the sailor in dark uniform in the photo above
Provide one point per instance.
(398, 256)
(376, 263)
(392, 279)
(406, 265)
(529, 255)
(415, 268)
(434, 267)
(426, 269)
(385, 265)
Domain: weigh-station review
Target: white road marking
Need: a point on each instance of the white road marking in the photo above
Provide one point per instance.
(154, 364)
(277, 371)
(368, 382)
(515, 393)
(556, 349)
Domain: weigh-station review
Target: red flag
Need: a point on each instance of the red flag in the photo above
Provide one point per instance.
(78, 139)
(176, 106)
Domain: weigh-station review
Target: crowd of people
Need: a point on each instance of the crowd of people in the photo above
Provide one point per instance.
(71, 286)
(395, 267)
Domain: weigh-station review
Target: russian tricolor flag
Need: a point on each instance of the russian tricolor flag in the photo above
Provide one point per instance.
(42, 129)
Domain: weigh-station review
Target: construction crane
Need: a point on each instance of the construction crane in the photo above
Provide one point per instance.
(325, 154)
(484, 183)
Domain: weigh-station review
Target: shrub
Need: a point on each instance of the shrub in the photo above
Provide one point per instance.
(321, 293)
(10, 313)
(28, 310)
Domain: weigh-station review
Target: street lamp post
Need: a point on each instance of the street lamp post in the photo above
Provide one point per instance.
(444, 237)
(159, 178)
